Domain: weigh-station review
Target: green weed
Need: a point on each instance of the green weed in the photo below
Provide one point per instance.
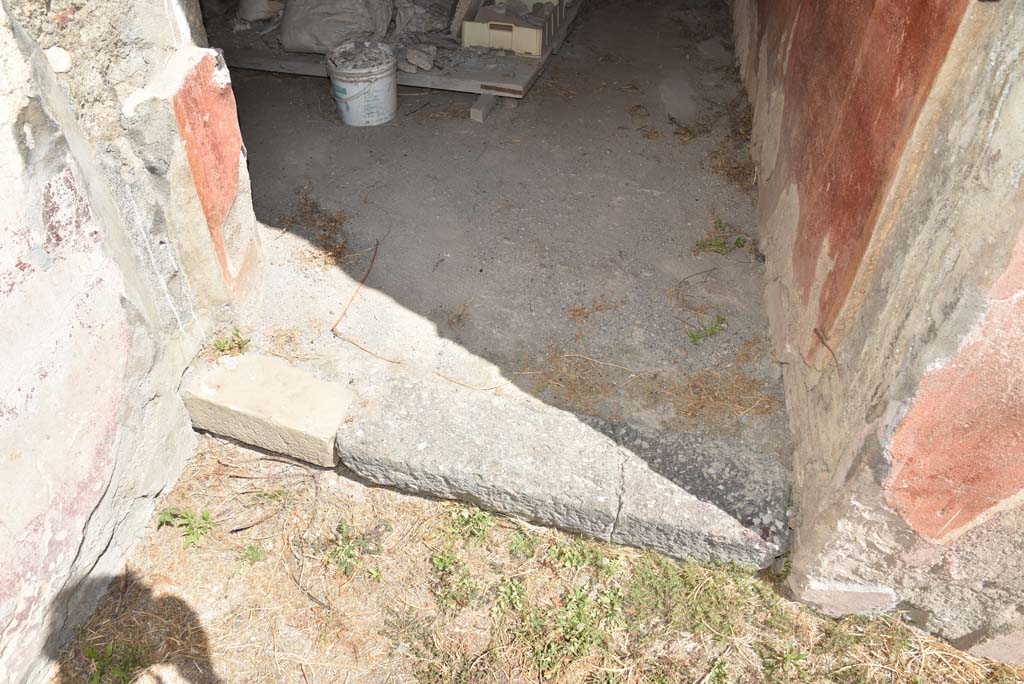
(193, 527)
(449, 668)
(717, 244)
(523, 545)
(445, 561)
(452, 586)
(455, 590)
(561, 635)
(689, 596)
(787, 663)
(721, 239)
(700, 335)
(349, 546)
(115, 665)
(232, 344)
(253, 554)
(719, 673)
(576, 554)
(271, 495)
(571, 555)
(511, 595)
(469, 524)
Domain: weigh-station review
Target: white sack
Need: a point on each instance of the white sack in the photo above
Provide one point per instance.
(320, 25)
(259, 10)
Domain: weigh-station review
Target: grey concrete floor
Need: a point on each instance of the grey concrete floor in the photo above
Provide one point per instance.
(549, 251)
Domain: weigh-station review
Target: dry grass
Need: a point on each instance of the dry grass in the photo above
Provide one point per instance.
(649, 133)
(731, 159)
(580, 314)
(698, 27)
(735, 167)
(687, 132)
(309, 215)
(454, 110)
(638, 111)
(572, 380)
(731, 391)
(293, 343)
(326, 255)
(325, 231)
(687, 303)
(552, 86)
(284, 342)
(741, 117)
(146, 624)
(580, 383)
(459, 317)
(751, 351)
(607, 57)
(364, 585)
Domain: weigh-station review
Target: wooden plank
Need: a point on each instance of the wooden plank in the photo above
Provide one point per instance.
(509, 75)
(465, 79)
(482, 107)
(283, 62)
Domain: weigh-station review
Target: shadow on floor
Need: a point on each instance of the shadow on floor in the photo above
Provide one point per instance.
(566, 241)
(131, 631)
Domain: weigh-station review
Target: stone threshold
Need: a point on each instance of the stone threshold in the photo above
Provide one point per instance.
(505, 452)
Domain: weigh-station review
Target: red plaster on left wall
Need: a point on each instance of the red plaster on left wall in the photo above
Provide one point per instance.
(208, 122)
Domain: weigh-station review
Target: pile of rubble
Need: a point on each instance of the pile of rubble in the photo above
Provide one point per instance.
(417, 29)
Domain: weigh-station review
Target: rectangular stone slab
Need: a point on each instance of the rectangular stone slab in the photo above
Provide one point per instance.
(265, 402)
(658, 514)
(505, 452)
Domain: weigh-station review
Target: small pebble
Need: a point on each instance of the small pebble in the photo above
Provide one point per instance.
(59, 59)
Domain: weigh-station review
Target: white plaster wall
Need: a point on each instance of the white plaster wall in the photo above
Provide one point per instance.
(108, 285)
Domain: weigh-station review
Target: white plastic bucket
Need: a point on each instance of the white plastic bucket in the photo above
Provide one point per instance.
(363, 82)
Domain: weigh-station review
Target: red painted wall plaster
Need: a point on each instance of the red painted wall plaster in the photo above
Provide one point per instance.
(857, 74)
(208, 122)
(959, 453)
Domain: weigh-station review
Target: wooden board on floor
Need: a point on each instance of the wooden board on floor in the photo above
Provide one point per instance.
(496, 74)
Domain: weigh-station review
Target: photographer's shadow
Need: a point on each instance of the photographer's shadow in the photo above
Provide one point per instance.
(133, 635)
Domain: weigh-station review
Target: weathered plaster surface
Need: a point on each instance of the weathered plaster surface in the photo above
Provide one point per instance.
(109, 281)
(856, 84)
(204, 107)
(890, 231)
(958, 456)
(846, 84)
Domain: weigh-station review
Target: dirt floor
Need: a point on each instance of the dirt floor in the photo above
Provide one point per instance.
(592, 245)
(259, 571)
